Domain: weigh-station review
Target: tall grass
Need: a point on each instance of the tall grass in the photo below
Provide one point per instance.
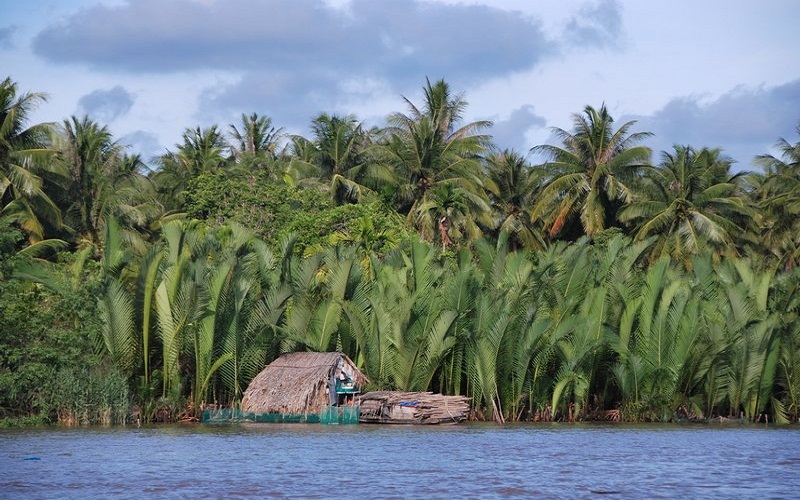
(82, 396)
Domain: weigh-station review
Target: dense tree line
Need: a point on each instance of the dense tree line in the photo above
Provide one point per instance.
(581, 281)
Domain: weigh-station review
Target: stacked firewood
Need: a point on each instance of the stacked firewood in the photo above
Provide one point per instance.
(413, 407)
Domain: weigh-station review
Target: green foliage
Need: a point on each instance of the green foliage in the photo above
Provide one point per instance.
(11, 240)
(440, 186)
(690, 204)
(370, 243)
(588, 177)
(43, 331)
(85, 395)
(577, 331)
(251, 199)
(24, 163)
(368, 225)
(275, 210)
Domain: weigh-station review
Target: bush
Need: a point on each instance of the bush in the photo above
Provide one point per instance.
(273, 210)
(41, 333)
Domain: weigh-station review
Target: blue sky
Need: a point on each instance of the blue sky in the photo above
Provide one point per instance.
(717, 73)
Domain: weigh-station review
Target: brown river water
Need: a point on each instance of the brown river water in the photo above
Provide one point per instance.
(373, 461)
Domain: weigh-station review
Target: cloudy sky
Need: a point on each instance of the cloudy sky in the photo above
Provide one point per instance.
(718, 73)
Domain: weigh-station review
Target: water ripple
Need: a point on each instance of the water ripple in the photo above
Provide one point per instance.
(473, 461)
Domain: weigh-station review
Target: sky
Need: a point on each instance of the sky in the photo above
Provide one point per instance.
(707, 73)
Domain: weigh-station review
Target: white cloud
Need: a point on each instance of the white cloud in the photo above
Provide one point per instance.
(744, 122)
(514, 131)
(106, 105)
(192, 63)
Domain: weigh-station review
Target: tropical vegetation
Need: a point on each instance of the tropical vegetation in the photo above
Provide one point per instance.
(596, 285)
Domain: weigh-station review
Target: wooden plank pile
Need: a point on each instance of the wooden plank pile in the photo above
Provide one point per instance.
(396, 407)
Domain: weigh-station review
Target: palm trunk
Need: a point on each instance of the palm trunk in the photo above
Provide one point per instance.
(497, 410)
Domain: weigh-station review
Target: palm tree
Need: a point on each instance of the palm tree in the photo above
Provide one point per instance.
(785, 298)
(779, 199)
(321, 285)
(427, 148)
(517, 185)
(584, 304)
(400, 320)
(493, 325)
(654, 350)
(245, 302)
(688, 201)
(118, 305)
(257, 136)
(369, 320)
(213, 300)
(342, 147)
(178, 300)
(451, 213)
(201, 151)
(341, 153)
(255, 145)
(741, 353)
(789, 161)
(589, 175)
(417, 335)
(23, 154)
(101, 181)
(503, 335)
(340, 143)
(370, 239)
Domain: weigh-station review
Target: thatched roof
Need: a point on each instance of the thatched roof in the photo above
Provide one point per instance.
(297, 383)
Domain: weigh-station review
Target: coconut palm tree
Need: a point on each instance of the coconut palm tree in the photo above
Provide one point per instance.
(452, 214)
(101, 182)
(339, 153)
(789, 161)
(588, 178)
(428, 147)
(342, 155)
(202, 151)
(24, 157)
(257, 136)
(689, 201)
(255, 143)
(517, 185)
(779, 199)
(340, 142)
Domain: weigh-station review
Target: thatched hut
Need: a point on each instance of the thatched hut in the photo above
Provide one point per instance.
(305, 384)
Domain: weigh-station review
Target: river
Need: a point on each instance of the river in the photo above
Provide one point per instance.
(364, 461)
